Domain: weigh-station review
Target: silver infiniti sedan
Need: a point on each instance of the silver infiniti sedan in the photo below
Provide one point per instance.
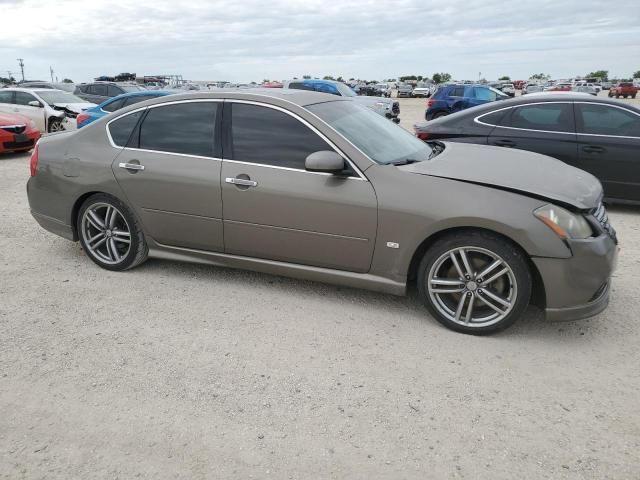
(315, 186)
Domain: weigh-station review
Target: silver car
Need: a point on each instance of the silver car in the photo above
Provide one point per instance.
(318, 187)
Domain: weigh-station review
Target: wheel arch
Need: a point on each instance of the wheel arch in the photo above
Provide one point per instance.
(538, 295)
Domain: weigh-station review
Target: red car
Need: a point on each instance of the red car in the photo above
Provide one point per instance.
(17, 133)
(624, 89)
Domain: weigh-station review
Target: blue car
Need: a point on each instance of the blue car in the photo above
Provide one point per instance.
(116, 103)
(453, 98)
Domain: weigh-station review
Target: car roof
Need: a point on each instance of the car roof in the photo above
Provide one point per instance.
(301, 98)
(36, 90)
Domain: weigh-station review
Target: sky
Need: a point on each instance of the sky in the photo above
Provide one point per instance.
(252, 40)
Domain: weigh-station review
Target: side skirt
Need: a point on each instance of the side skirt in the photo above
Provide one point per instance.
(304, 272)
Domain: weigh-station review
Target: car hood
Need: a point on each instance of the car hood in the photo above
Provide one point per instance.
(13, 119)
(74, 107)
(515, 170)
(365, 100)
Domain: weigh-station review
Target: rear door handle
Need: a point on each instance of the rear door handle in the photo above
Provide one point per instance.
(241, 181)
(131, 166)
(505, 143)
(593, 149)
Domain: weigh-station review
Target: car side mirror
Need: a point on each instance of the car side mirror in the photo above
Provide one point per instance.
(326, 161)
(35, 103)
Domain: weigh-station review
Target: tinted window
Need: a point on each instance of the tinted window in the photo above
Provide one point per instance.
(182, 128)
(457, 92)
(300, 86)
(267, 136)
(113, 106)
(121, 128)
(113, 91)
(134, 100)
(485, 94)
(494, 118)
(5, 97)
(606, 120)
(553, 117)
(23, 98)
(98, 90)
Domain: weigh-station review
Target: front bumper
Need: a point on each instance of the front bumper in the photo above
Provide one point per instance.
(578, 287)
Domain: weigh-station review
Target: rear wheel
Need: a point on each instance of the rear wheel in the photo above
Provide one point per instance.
(110, 234)
(440, 114)
(475, 282)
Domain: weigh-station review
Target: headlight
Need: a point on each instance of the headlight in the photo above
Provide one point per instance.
(564, 223)
(382, 105)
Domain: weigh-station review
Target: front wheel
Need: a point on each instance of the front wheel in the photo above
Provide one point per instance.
(56, 126)
(475, 282)
(110, 234)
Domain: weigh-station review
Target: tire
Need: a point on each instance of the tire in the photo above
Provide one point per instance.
(509, 292)
(55, 126)
(633, 96)
(440, 114)
(110, 234)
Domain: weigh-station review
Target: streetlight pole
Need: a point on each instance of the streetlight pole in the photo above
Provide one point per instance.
(21, 63)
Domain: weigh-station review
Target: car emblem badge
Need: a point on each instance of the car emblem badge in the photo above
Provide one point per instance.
(393, 245)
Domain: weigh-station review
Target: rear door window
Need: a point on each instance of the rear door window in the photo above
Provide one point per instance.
(114, 91)
(113, 106)
(186, 128)
(494, 118)
(98, 90)
(122, 128)
(457, 92)
(550, 117)
(607, 120)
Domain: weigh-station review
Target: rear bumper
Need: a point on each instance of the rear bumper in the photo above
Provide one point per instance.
(54, 225)
(578, 287)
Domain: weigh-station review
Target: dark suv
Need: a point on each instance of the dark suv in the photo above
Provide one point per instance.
(453, 98)
(98, 92)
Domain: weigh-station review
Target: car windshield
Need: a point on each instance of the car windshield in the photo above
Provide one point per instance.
(382, 140)
(58, 96)
(131, 88)
(345, 90)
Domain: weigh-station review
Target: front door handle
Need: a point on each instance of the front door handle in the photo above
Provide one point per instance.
(241, 181)
(505, 143)
(593, 149)
(131, 166)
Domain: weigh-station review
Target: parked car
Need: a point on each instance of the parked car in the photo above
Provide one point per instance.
(98, 92)
(383, 89)
(405, 90)
(624, 90)
(584, 87)
(508, 89)
(67, 87)
(51, 110)
(592, 133)
(386, 107)
(453, 98)
(17, 133)
(559, 87)
(532, 88)
(116, 103)
(606, 85)
(422, 91)
(312, 186)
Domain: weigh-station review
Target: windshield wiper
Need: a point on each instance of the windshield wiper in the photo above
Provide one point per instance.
(404, 161)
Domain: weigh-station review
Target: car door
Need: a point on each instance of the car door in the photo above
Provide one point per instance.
(275, 209)
(480, 95)
(547, 128)
(608, 146)
(22, 107)
(170, 172)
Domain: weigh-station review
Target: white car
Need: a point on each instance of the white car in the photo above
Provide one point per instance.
(509, 89)
(51, 110)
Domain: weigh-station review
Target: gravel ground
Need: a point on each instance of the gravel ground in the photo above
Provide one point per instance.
(177, 370)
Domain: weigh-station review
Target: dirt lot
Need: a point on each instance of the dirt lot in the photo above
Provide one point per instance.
(177, 370)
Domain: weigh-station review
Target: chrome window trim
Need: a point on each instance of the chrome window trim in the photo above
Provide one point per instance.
(312, 128)
(477, 119)
(525, 129)
(602, 134)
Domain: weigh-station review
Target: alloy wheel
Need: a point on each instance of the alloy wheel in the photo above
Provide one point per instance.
(106, 233)
(56, 127)
(472, 286)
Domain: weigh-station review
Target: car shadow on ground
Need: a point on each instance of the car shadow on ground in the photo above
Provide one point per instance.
(531, 325)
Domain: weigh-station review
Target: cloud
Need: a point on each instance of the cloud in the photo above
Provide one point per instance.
(253, 39)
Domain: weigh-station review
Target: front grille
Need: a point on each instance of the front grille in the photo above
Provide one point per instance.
(602, 217)
(14, 128)
(17, 145)
(396, 108)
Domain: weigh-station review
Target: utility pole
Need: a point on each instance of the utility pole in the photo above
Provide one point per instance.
(21, 63)
(51, 70)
